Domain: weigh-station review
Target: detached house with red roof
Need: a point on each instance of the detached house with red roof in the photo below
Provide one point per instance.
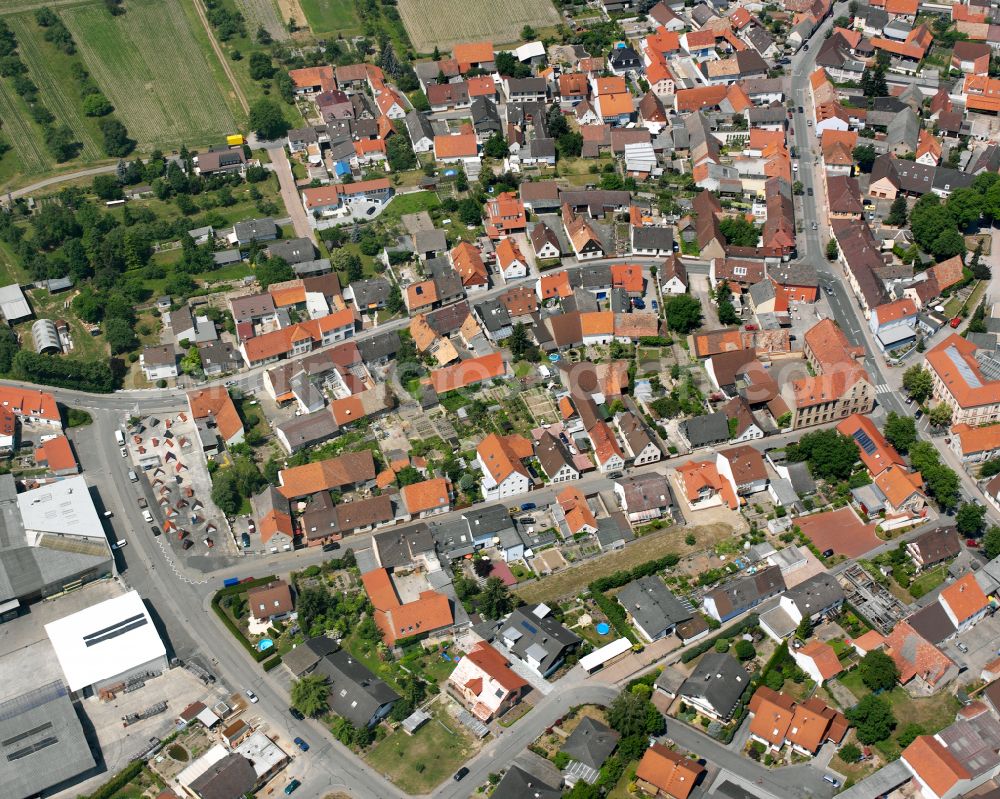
(504, 215)
(273, 519)
(430, 612)
(484, 682)
(499, 458)
(214, 415)
(427, 498)
(964, 602)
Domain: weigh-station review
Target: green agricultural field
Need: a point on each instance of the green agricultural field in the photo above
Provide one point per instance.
(331, 16)
(27, 155)
(161, 77)
(50, 70)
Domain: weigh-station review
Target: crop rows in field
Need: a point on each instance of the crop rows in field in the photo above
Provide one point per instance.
(155, 72)
(60, 97)
(262, 14)
(21, 133)
(443, 23)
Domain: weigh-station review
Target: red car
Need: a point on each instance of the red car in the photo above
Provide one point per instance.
(956, 322)
(972, 543)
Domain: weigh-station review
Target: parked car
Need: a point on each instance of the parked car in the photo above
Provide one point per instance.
(750, 328)
(252, 696)
(461, 774)
(208, 542)
(132, 476)
(154, 530)
(245, 540)
(809, 191)
(832, 780)
(331, 546)
(955, 322)
(302, 744)
(296, 714)
(656, 306)
(962, 647)
(147, 516)
(124, 452)
(290, 788)
(528, 506)
(637, 302)
(972, 543)
(121, 542)
(143, 503)
(187, 543)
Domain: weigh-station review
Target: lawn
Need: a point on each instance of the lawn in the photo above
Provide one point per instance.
(417, 763)
(166, 96)
(621, 791)
(498, 20)
(410, 203)
(331, 16)
(932, 713)
(649, 547)
(928, 581)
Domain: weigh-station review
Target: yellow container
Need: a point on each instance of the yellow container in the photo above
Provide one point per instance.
(235, 140)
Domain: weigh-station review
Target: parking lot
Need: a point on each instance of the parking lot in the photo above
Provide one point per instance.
(982, 641)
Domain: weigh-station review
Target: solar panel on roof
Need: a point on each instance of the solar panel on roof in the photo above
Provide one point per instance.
(864, 441)
(529, 628)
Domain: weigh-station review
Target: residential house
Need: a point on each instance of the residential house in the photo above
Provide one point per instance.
(964, 602)
(962, 381)
(673, 276)
(533, 635)
(555, 459)
(644, 497)
(817, 659)
(743, 593)
(777, 720)
(158, 362)
(639, 445)
(664, 772)
(273, 519)
(743, 468)
(715, 686)
(499, 460)
(510, 260)
(651, 608)
(427, 498)
(429, 613)
(933, 547)
(544, 242)
(975, 444)
(271, 602)
(504, 215)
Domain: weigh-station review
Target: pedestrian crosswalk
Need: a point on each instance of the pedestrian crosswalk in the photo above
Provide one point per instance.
(883, 388)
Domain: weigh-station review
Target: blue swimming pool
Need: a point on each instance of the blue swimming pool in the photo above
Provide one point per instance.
(602, 628)
(264, 644)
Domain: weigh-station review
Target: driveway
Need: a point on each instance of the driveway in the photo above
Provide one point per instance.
(290, 194)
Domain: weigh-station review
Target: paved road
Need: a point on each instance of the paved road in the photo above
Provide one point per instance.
(56, 179)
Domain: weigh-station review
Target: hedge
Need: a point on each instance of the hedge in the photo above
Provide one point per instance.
(228, 622)
(615, 614)
(620, 578)
(272, 663)
(119, 781)
(708, 643)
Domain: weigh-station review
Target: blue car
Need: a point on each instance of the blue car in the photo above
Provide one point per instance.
(302, 744)
(656, 305)
(528, 506)
(638, 302)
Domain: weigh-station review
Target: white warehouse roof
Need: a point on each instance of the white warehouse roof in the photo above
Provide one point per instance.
(61, 508)
(105, 640)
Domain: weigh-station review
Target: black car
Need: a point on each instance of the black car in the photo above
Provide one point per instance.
(154, 530)
(331, 546)
(245, 540)
(800, 110)
(809, 191)
(461, 774)
(296, 714)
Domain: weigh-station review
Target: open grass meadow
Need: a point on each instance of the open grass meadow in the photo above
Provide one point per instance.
(442, 23)
(332, 17)
(155, 65)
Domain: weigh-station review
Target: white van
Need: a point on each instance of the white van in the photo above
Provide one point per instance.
(120, 543)
(132, 476)
(120, 438)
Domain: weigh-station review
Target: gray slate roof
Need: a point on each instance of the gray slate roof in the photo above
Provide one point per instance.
(719, 680)
(591, 742)
(652, 605)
